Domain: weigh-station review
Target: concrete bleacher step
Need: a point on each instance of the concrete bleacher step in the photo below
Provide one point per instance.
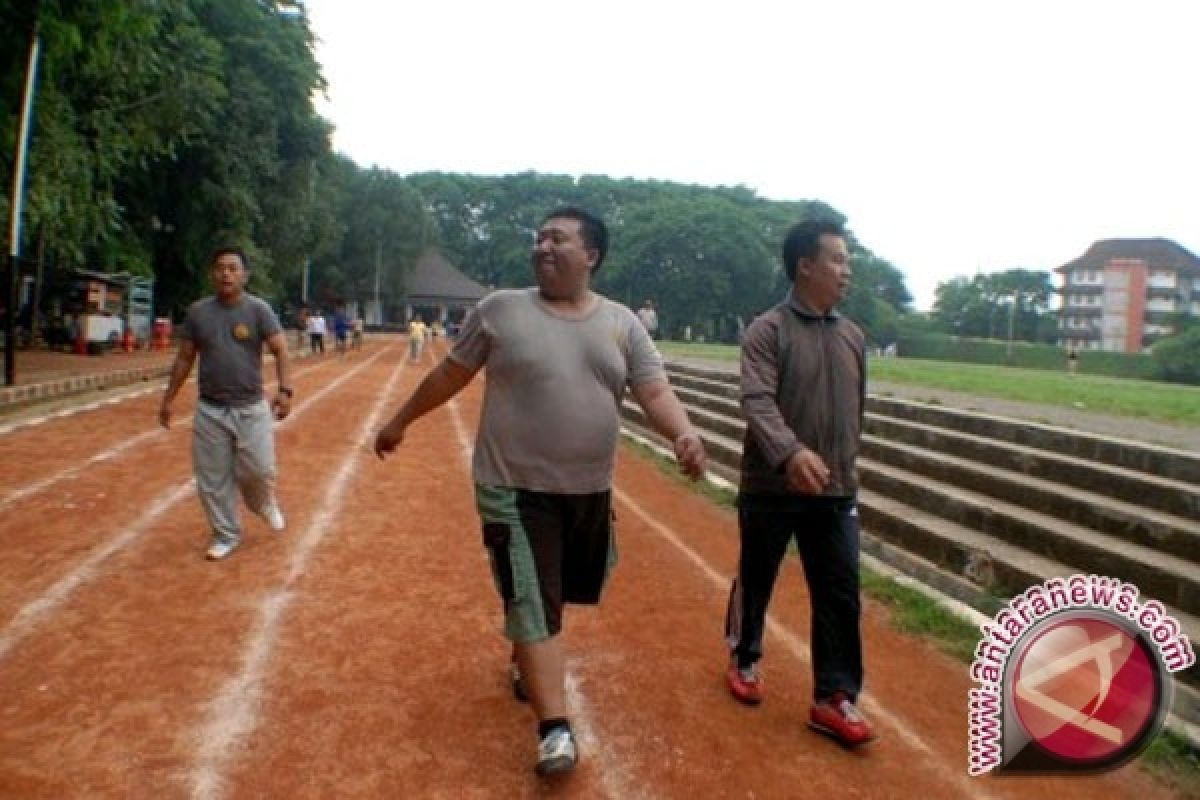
(1186, 684)
(1124, 521)
(1097, 496)
(717, 404)
(1041, 516)
(1179, 466)
(724, 386)
(724, 451)
(1172, 579)
(1175, 465)
(958, 557)
(1146, 490)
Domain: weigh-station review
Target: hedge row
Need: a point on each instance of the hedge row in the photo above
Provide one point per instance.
(941, 347)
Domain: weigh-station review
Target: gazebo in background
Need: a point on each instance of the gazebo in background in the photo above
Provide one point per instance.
(439, 291)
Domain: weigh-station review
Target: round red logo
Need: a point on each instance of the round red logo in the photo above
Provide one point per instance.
(1086, 689)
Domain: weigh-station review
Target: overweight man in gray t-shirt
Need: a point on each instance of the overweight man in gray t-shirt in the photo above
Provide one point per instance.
(233, 443)
(558, 360)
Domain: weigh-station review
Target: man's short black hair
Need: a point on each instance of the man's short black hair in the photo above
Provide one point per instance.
(230, 250)
(804, 240)
(591, 228)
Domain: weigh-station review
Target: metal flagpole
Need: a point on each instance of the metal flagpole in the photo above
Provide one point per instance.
(14, 215)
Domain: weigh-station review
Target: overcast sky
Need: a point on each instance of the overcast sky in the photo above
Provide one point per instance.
(957, 136)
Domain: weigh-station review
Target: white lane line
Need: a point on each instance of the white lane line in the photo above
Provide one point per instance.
(159, 384)
(233, 712)
(27, 619)
(22, 492)
(613, 778)
(36, 611)
(70, 472)
(966, 786)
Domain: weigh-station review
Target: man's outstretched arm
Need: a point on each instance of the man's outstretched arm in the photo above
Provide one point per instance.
(447, 379)
(667, 416)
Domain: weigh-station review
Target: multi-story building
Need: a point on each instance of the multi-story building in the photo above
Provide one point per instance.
(1123, 293)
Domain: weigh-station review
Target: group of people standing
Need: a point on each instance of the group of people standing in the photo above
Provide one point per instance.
(559, 357)
(347, 330)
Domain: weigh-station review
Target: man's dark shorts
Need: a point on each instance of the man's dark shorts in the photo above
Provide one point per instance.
(545, 550)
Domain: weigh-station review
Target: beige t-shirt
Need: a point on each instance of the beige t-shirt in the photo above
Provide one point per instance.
(554, 386)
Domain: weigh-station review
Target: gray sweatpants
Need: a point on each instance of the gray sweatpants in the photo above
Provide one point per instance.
(233, 448)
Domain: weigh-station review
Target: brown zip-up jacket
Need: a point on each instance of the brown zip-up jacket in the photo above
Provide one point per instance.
(804, 380)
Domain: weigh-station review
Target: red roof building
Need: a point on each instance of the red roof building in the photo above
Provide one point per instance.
(1123, 293)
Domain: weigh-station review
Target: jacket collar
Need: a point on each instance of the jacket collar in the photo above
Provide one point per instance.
(808, 312)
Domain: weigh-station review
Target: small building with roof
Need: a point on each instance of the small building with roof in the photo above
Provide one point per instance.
(439, 291)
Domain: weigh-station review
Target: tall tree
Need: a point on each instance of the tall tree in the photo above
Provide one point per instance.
(121, 85)
(987, 305)
(246, 176)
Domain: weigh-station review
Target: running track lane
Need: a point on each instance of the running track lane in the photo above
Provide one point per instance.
(387, 679)
(124, 428)
(96, 515)
(98, 695)
(646, 668)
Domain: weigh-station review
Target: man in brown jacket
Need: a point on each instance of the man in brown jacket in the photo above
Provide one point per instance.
(802, 394)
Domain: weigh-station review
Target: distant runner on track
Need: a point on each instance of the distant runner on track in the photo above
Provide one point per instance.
(558, 358)
(233, 442)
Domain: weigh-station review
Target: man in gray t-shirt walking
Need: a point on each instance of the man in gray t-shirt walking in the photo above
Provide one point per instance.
(559, 359)
(233, 444)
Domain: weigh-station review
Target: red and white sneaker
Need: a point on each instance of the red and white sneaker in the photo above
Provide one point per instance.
(745, 683)
(836, 716)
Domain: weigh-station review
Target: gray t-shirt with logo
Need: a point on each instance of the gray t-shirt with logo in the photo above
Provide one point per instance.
(554, 388)
(229, 341)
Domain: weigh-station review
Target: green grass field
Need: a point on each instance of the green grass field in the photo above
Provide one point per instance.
(1162, 402)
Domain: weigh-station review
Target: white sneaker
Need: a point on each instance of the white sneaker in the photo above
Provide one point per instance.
(557, 753)
(220, 548)
(274, 518)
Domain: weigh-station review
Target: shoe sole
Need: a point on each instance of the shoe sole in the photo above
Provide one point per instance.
(837, 737)
(555, 766)
(746, 700)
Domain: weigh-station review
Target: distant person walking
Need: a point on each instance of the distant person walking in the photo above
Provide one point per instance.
(341, 331)
(649, 318)
(1072, 360)
(559, 359)
(803, 393)
(356, 333)
(316, 332)
(233, 443)
(416, 339)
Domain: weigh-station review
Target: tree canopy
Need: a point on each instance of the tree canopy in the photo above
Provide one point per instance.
(985, 304)
(707, 256)
(164, 128)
